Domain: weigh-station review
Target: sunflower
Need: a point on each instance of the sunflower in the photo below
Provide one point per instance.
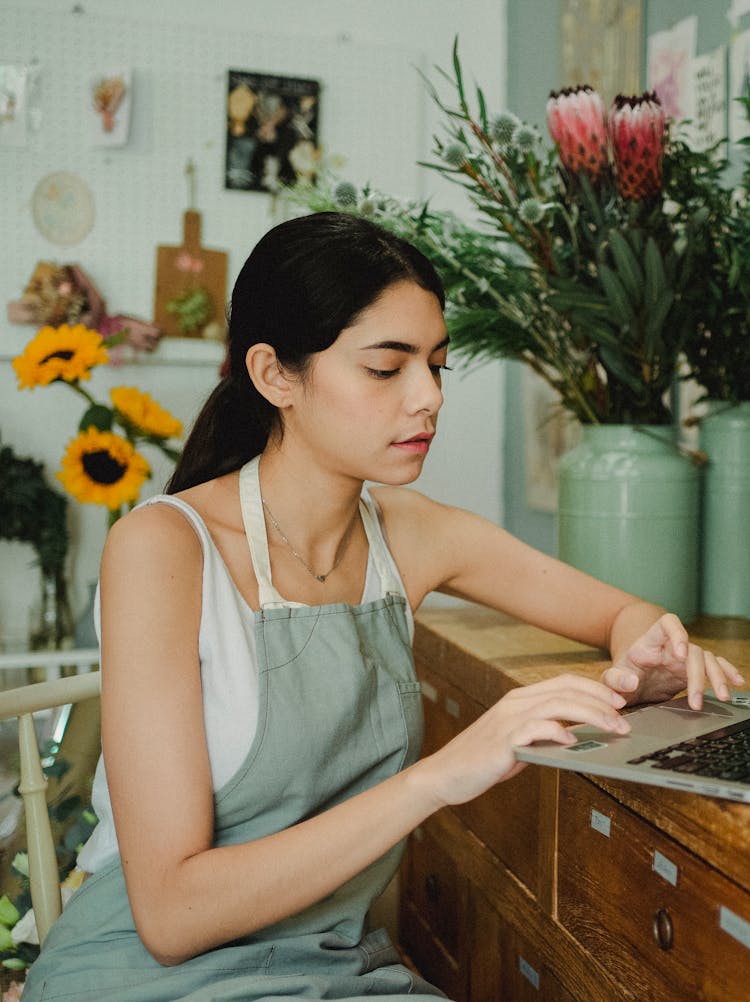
(143, 414)
(64, 352)
(100, 467)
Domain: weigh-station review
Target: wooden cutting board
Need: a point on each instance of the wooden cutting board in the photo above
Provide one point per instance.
(185, 269)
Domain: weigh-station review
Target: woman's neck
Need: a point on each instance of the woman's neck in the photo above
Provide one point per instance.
(309, 512)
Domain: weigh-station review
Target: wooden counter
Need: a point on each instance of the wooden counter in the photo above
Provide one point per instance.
(563, 887)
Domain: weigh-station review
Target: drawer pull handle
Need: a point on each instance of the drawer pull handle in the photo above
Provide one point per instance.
(663, 930)
(432, 888)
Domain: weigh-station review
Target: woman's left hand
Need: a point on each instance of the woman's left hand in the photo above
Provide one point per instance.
(663, 662)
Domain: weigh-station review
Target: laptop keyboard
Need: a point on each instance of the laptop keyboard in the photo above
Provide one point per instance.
(720, 754)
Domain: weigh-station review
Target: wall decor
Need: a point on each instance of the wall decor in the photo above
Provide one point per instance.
(272, 130)
(111, 103)
(669, 67)
(739, 77)
(62, 207)
(191, 281)
(13, 96)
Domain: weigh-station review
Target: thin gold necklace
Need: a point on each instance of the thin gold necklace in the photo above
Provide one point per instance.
(339, 555)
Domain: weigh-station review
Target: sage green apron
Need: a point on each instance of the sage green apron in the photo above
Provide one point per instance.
(339, 711)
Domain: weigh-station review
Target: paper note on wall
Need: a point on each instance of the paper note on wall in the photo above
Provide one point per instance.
(739, 79)
(710, 87)
(669, 62)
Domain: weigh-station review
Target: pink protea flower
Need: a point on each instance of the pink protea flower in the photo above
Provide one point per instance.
(636, 128)
(577, 123)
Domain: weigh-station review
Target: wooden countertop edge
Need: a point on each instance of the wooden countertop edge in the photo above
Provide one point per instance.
(486, 654)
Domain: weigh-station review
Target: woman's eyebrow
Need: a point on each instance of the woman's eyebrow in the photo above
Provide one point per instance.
(408, 349)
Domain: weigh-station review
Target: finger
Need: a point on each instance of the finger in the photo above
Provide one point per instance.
(568, 684)
(542, 730)
(716, 676)
(730, 671)
(676, 635)
(580, 710)
(696, 676)
(621, 679)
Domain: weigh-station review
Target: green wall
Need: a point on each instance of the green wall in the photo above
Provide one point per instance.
(533, 71)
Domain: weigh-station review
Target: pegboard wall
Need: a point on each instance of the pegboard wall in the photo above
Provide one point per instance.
(372, 115)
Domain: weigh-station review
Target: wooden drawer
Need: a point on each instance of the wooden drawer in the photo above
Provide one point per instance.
(433, 913)
(668, 926)
(508, 818)
(504, 965)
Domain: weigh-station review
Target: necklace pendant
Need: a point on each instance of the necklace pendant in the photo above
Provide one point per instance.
(321, 578)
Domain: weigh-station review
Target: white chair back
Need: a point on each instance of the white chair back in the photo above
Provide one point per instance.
(22, 703)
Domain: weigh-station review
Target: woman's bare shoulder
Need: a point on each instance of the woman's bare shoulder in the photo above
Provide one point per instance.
(158, 532)
(404, 502)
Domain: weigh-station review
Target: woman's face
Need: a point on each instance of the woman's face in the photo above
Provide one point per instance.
(368, 405)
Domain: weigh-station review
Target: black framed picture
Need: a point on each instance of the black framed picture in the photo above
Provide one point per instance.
(272, 130)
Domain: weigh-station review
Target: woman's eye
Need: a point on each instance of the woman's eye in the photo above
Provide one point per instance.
(383, 373)
(437, 369)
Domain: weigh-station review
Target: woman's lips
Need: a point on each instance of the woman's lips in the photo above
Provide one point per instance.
(418, 445)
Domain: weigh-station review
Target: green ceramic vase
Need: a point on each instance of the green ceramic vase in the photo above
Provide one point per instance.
(628, 513)
(725, 549)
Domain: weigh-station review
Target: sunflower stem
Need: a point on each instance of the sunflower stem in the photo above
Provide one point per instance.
(75, 385)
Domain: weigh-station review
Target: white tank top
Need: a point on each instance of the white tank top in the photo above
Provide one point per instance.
(226, 647)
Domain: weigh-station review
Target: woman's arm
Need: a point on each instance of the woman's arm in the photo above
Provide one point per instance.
(186, 895)
(440, 548)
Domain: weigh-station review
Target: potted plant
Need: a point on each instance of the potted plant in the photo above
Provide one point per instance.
(33, 512)
(586, 261)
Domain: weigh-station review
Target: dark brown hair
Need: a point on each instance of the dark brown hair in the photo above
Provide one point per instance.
(304, 282)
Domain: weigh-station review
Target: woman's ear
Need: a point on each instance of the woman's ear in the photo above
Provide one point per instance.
(268, 376)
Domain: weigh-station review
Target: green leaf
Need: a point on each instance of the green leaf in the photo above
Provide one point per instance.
(8, 912)
(590, 200)
(14, 963)
(613, 361)
(655, 277)
(482, 109)
(655, 320)
(618, 300)
(564, 302)
(459, 75)
(628, 268)
(97, 415)
(6, 940)
(21, 863)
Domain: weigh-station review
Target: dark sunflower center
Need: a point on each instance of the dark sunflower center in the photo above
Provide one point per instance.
(102, 467)
(65, 355)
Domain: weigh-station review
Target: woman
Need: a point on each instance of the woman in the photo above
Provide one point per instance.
(261, 718)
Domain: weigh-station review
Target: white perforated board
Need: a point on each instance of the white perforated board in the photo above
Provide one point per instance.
(372, 114)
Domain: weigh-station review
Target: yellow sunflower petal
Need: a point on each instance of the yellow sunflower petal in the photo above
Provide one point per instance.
(67, 353)
(141, 411)
(100, 467)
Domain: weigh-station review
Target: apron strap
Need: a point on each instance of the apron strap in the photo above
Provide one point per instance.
(257, 540)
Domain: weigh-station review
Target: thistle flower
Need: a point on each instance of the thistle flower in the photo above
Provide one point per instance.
(636, 129)
(577, 123)
(531, 210)
(454, 154)
(345, 193)
(503, 127)
(525, 138)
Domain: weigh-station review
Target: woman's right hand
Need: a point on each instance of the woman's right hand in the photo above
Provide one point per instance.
(483, 754)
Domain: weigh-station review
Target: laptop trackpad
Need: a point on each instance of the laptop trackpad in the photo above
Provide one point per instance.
(674, 717)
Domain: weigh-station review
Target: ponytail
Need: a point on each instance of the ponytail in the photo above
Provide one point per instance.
(231, 429)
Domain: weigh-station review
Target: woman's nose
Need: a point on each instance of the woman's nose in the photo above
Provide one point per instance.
(427, 393)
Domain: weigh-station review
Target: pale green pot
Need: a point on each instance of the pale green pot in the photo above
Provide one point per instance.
(628, 514)
(725, 550)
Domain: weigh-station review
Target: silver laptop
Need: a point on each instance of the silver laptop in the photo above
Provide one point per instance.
(703, 751)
